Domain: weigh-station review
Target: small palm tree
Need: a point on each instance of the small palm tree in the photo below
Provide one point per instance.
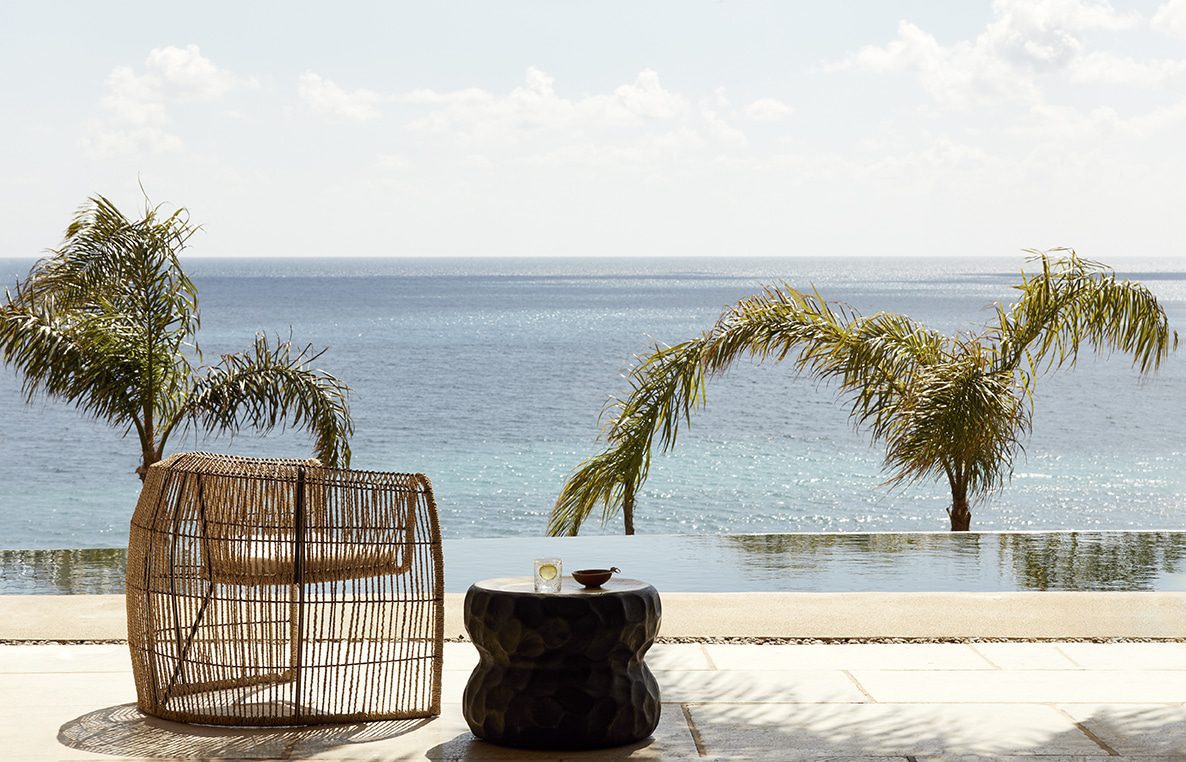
(108, 323)
(946, 407)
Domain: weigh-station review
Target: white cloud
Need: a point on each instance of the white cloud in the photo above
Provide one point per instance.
(1100, 127)
(137, 101)
(476, 161)
(1171, 18)
(1025, 39)
(716, 113)
(677, 144)
(646, 97)
(391, 162)
(768, 110)
(327, 98)
(186, 73)
(1108, 68)
(960, 76)
(1045, 32)
(535, 106)
(719, 128)
(942, 157)
(134, 99)
(638, 122)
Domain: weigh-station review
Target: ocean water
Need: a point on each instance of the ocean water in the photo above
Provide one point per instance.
(489, 375)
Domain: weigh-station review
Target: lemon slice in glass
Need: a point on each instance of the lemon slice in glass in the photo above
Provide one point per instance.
(547, 572)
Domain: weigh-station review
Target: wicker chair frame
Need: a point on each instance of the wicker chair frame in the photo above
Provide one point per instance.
(278, 592)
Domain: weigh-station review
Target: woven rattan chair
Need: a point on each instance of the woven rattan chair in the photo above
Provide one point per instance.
(277, 592)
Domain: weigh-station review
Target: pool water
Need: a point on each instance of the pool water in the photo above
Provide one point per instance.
(848, 562)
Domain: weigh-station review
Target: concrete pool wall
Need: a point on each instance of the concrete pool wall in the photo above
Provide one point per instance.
(986, 562)
(914, 586)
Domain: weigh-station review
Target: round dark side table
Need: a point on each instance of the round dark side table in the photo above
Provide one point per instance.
(562, 670)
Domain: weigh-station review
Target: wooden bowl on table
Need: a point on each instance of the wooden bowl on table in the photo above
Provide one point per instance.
(594, 578)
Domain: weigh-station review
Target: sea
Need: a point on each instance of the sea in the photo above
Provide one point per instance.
(490, 375)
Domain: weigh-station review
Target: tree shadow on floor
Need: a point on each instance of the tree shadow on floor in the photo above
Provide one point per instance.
(965, 731)
(124, 731)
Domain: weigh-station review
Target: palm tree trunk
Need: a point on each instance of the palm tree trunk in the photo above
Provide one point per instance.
(960, 515)
(148, 457)
(628, 507)
(149, 452)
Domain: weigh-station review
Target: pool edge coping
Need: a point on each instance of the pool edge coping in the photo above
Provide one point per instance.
(704, 617)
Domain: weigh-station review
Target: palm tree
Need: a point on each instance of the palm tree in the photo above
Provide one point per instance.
(108, 323)
(945, 407)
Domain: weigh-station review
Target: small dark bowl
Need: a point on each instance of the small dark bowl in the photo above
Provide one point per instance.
(593, 578)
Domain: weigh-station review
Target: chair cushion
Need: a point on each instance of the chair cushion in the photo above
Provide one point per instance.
(270, 559)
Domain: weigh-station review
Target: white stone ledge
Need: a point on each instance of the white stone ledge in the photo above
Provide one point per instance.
(1019, 616)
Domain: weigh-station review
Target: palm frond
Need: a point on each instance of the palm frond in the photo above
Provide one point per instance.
(78, 362)
(105, 255)
(269, 387)
(962, 420)
(1073, 303)
(116, 286)
(601, 481)
(870, 358)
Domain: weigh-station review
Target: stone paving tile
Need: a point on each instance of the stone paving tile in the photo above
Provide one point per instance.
(834, 732)
(85, 695)
(55, 689)
(32, 733)
(463, 657)
(1161, 656)
(453, 685)
(460, 657)
(1044, 758)
(847, 656)
(1135, 728)
(678, 656)
(1032, 686)
(1024, 655)
(78, 658)
(65, 658)
(121, 731)
(448, 738)
(804, 686)
(1019, 758)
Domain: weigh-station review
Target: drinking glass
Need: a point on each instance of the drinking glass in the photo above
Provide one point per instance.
(547, 575)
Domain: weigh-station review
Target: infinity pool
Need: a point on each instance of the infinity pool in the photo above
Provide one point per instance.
(903, 562)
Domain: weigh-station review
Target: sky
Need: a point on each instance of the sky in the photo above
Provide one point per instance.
(683, 128)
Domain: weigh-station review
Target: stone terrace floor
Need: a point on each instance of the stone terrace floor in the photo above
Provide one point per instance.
(1062, 700)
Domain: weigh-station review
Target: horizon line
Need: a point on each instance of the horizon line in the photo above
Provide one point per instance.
(1024, 254)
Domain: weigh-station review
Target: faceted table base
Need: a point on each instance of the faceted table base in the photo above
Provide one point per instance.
(562, 670)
